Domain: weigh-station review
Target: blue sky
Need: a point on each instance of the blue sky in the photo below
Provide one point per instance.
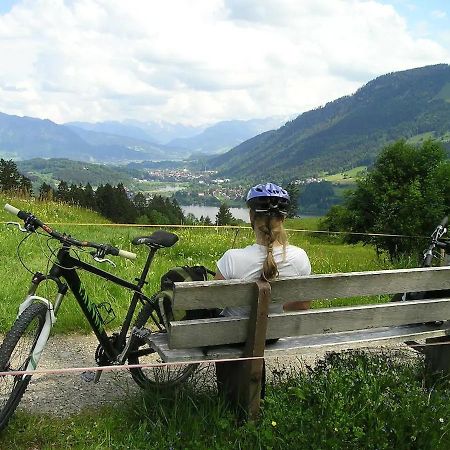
(5, 5)
(212, 60)
(426, 18)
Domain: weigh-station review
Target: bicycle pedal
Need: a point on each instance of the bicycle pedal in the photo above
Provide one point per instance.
(90, 376)
(142, 333)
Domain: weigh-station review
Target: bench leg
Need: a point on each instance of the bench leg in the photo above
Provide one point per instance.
(437, 358)
(243, 382)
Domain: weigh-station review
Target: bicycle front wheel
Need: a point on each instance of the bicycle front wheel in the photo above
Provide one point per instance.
(164, 376)
(15, 353)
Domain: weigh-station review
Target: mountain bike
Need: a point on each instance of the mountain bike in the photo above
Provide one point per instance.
(22, 346)
(437, 242)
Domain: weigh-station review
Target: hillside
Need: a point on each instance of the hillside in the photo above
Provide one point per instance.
(350, 131)
(28, 137)
(40, 170)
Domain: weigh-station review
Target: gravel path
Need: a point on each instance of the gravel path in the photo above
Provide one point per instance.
(68, 394)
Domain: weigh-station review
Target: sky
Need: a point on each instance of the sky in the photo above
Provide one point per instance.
(202, 61)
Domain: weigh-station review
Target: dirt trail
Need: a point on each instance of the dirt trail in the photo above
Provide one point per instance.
(67, 394)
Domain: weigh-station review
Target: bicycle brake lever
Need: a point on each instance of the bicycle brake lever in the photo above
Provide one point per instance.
(17, 224)
(103, 260)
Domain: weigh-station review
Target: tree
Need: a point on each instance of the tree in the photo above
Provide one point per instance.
(224, 216)
(11, 180)
(406, 193)
(63, 193)
(317, 198)
(46, 192)
(294, 192)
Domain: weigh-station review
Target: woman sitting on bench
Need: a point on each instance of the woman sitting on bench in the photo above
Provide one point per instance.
(270, 256)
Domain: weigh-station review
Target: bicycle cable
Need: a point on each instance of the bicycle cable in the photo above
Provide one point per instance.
(19, 256)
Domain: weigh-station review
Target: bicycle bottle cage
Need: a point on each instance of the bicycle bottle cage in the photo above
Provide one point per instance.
(106, 312)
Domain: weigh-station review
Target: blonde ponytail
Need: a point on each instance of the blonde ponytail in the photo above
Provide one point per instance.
(269, 230)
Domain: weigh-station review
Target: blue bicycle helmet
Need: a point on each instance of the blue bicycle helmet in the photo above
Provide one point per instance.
(268, 199)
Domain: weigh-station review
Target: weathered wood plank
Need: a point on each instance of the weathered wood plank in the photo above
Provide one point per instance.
(219, 294)
(302, 344)
(228, 330)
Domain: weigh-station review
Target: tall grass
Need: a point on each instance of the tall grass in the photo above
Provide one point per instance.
(196, 246)
(352, 400)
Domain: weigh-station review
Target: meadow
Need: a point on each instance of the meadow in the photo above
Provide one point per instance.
(196, 246)
(358, 400)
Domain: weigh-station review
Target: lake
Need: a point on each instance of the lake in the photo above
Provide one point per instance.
(211, 212)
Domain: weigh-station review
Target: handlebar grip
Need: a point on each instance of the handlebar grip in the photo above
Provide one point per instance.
(11, 209)
(125, 254)
(17, 212)
(444, 222)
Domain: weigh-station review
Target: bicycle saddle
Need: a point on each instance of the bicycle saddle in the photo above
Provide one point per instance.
(157, 240)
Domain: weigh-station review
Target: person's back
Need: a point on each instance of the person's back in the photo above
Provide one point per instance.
(271, 256)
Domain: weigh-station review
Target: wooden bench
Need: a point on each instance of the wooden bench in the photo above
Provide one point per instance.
(240, 380)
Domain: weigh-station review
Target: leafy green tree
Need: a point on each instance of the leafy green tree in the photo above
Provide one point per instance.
(406, 193)
(190, 219)
(224, 216)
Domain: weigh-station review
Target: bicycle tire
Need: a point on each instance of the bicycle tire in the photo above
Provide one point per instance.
(15, 353)
(155, 377)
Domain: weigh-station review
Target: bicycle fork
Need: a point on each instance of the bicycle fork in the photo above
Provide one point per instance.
(50, 316)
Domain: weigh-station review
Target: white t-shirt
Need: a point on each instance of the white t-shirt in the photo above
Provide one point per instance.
(246, 264)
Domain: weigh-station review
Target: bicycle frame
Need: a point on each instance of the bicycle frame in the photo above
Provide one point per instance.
(66, 267)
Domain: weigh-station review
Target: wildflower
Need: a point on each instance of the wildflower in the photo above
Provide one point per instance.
(441, 419)
(274, 424)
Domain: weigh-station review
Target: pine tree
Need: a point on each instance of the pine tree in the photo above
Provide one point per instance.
(224, 216)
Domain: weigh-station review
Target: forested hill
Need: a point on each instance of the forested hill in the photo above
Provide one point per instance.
(348, 132)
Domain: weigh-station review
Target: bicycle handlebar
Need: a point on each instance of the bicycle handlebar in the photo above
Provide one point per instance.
(32, 222)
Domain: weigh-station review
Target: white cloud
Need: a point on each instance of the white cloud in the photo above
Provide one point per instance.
(438, 14)
(196, 61)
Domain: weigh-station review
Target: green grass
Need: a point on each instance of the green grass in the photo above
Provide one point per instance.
(418, 138)
(195, 246)
(351, 400)
(346, 177)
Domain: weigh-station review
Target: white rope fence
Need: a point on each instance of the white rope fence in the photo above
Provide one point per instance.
(232, 227)
(61, 371)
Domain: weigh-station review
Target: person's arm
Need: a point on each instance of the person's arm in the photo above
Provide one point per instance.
(304, 268)
(297, 306)
(219, 276)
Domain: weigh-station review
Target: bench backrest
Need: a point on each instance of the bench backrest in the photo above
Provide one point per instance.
(233, 293)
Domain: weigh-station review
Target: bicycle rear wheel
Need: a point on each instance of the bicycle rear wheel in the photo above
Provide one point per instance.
(15, 353)
(154, 377)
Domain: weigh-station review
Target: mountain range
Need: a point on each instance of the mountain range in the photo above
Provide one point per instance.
(350, 131)
(120, 142)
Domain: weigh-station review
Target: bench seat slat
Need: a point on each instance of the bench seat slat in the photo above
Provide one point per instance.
(303, 344)
(228, 330)
(219, 294)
